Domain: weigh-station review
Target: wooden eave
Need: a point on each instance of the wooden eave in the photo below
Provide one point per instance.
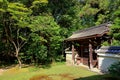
(87, 37)
(100, 31)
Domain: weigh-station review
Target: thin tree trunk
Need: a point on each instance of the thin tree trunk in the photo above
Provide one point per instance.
(19, 61)
(18, 58)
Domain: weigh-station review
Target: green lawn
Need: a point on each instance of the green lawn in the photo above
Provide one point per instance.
(55, 72)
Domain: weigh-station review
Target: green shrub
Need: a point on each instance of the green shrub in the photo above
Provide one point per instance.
(114, 69)
(60, 58)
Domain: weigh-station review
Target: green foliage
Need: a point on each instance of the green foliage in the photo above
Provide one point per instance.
(60, 58)
(114, 43)
(66, 14)
(36, 53)
(114, 69)
(38, 27)
(44, 41)
(39, 7)
(115, 30)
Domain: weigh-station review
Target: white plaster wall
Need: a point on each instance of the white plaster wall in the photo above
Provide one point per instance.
(105, 61)
(69, 58)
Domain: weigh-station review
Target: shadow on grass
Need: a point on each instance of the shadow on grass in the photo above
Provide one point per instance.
(99, 77)
(31, 66)
(46, 65)
(53, 77)
(69, 77)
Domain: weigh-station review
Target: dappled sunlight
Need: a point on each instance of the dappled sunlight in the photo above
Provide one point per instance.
(15, 70)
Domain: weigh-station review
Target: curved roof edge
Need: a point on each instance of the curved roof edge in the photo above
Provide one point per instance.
(95, 31)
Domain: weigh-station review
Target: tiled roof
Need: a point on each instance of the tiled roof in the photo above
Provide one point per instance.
(89, 32)
(109, 49)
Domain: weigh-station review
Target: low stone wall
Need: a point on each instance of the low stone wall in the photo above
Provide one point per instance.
(106, 59)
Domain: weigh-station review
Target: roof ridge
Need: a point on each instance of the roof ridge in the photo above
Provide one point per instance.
(96, 31)
(86, 29)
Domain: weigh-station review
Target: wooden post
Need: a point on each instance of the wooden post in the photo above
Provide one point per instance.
(73, 54)
(90, 56)
(63, 50)
(81, 53)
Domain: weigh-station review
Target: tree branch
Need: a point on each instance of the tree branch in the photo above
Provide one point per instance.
(18, 37)
(22, 44)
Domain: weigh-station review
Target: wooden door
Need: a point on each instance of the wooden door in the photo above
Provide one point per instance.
(86, 55)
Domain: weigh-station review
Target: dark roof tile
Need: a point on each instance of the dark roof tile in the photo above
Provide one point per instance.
(109, 49)
(92, 31)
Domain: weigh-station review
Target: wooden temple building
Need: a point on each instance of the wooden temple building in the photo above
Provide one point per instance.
(83, 44)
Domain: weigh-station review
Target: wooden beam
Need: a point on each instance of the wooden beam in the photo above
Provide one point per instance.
(90, 56)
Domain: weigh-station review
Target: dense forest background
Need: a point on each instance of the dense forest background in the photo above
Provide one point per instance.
(33, 31)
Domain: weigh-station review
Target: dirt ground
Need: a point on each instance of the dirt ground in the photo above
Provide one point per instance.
(1, 71)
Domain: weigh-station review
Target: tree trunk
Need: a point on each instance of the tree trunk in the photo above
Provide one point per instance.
(18, 58)
(20, 64)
